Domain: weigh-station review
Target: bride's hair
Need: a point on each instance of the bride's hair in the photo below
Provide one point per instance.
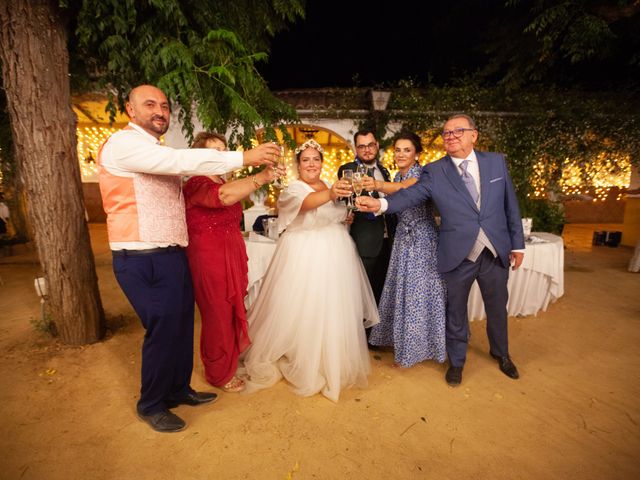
(311, 143)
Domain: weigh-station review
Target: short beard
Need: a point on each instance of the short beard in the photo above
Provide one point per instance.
(154, 128)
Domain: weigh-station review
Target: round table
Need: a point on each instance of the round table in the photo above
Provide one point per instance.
(538, 282)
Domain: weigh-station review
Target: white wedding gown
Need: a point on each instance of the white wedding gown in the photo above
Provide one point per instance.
(307, 323)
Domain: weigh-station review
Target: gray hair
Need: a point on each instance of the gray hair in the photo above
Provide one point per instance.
(472, 123)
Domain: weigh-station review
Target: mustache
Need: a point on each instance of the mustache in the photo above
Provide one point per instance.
(158, 117)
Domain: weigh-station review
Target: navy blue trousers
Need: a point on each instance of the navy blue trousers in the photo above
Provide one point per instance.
(492, 279)
(159, 288)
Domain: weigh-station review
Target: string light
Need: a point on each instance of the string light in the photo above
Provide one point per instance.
(89, 141)
(596, 178)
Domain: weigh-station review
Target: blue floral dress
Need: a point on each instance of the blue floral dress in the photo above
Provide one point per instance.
(413, 303)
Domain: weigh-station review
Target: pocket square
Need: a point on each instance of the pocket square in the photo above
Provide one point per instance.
(495, 179)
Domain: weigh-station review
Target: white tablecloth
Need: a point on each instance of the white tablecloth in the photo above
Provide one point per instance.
(259, 250)
(538, 282)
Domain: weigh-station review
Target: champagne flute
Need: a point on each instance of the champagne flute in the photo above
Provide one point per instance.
(347, 176)
(281, 182)
(365, 171)
(357, 184)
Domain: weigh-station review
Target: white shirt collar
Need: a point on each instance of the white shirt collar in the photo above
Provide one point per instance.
(471, 157)
(141, 130)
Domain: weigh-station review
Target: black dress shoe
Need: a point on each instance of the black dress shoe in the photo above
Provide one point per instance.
(193, 399)
(164, 421)
(506, 366)
(454, 376)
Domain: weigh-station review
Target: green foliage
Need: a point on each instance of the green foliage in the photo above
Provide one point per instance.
(44, 324)
(537, 132)
(564, 42)
(547, 216)
(201, 53)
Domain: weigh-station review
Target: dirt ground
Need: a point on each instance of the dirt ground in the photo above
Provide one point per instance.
(69, 413)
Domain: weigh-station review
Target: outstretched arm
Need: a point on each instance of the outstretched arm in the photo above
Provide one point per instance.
(236, 190)
(387, 188)
(410, 197)
(315, 199)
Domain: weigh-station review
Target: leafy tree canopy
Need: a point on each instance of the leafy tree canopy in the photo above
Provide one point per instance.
(202, 53)
(566, 42)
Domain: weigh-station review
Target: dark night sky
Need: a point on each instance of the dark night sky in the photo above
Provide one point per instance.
(343, 43)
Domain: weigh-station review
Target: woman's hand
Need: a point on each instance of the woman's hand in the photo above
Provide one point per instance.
(349, 219)
(269, 174)
(368, 183)
(340, 189)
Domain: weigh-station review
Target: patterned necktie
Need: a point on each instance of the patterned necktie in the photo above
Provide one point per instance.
(468, 180)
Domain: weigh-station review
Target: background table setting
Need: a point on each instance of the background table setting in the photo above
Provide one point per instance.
(538, 282)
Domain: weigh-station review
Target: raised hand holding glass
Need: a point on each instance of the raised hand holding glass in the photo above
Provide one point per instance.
(347, 176)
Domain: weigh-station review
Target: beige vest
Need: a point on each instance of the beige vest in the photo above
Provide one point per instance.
(143, 208)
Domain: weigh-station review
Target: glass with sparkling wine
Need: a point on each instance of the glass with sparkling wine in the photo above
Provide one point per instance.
(357, 184)
(347, 176)
(281, 182)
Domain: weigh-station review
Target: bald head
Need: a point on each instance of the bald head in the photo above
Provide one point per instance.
(148, 108)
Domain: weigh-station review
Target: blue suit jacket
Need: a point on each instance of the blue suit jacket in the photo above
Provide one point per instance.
(499, 215)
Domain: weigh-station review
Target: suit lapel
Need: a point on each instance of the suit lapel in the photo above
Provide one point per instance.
(484, 168)
(385, 173)
(451, 171)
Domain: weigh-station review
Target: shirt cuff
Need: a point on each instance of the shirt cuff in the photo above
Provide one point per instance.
(517, 250)
(237, 161)
(384, 205)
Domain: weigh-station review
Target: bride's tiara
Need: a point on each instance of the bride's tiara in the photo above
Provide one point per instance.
(311, 143)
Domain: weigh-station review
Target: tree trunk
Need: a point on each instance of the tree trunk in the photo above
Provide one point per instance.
(33, 49)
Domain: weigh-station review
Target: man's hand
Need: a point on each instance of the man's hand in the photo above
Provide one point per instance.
(515, 258)
(368, 204)
(265, 154)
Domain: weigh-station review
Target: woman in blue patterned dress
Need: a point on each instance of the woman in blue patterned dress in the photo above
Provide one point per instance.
(413, 303)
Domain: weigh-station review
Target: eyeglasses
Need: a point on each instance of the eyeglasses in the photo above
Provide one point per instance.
(369, 146)
(456, 132)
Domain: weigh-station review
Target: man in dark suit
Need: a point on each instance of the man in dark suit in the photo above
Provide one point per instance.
(480, 236)
(371, 233)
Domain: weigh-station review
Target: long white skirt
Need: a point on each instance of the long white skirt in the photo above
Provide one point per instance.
(307, 322)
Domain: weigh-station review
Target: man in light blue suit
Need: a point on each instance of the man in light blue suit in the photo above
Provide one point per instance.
(480, 236)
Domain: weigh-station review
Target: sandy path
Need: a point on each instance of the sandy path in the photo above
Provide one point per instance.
(69, 413)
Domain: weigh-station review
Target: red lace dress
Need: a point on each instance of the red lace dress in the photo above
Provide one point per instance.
(218, 263)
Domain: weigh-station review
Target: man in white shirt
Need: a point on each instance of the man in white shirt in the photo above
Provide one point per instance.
(480, 236)
(140, 183)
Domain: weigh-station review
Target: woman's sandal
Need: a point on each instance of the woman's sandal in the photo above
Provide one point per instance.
(234, 385)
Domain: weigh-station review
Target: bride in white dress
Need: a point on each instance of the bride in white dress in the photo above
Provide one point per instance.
(307, 323)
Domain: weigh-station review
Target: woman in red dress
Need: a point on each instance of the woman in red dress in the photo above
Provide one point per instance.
(218, 263)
